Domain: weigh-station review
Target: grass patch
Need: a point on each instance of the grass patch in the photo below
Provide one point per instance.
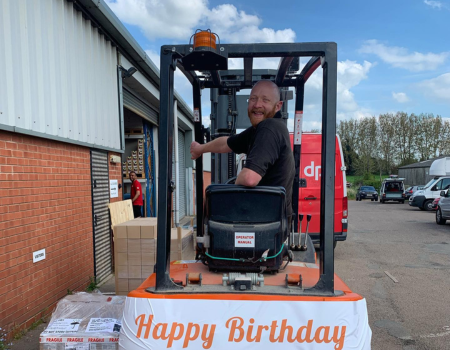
(35, 324)
(92, 285)
(19, 334)
(368, 180)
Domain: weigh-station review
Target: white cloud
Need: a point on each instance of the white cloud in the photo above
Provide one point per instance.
(437, 89)
(434, 4)
(400, 97)
(400, 57)
(350, 74)
(174, 19)
(161, 19)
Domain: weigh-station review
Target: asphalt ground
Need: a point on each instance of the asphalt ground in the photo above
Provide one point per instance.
(412, 314)
(405, 242)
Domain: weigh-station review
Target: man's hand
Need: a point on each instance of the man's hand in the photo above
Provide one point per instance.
(218, 145)
(196, 150)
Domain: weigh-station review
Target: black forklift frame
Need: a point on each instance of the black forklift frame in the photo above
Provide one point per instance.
(323, 54)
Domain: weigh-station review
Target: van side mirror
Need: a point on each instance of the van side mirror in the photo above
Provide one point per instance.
(443, 194)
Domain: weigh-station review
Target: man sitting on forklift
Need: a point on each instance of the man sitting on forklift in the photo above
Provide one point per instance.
(270, 160)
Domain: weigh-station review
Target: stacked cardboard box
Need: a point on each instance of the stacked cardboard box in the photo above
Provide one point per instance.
(135, 251)
(135, 162)
(140, 157)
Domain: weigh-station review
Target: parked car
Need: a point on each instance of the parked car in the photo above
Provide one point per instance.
(410, 190)
(392, 189)
(367, 192)
(434, 205)
(443, 208)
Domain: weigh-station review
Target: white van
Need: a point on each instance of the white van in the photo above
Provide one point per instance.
(423, 199)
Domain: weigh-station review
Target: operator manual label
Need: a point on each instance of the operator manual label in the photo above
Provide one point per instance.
(62, 326)
(244, 239)
(103, 325)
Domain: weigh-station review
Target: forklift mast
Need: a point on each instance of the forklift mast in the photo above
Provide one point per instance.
(206, 67)
(229, 114)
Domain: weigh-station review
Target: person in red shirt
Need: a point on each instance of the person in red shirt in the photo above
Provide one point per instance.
(136, 195)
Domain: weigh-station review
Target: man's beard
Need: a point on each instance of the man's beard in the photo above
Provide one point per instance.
(266, 115)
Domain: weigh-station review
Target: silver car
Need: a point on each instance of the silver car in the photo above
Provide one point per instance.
(443, 209)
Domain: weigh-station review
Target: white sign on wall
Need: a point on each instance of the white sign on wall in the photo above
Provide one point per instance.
(113, 189)
(38, 255)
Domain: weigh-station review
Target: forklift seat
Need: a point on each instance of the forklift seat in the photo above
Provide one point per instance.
(232, 211)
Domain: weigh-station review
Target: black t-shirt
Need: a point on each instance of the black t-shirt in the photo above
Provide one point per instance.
(269, 154)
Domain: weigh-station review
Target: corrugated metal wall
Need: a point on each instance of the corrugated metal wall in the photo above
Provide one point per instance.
(100, 211)
(415, 176)
(59, 75)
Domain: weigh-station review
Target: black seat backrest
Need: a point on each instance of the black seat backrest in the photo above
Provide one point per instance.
(239, 204)
(231, 211)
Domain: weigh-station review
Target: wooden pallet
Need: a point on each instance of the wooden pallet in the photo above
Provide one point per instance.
(121, 212)
(134, 131)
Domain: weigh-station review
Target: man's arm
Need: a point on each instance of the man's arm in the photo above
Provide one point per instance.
(136, 196)
(218, 145)
(248, 178)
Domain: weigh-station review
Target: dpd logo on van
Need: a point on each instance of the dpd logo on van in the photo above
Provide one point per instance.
(311, 171)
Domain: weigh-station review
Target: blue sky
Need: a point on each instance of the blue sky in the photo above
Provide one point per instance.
(393, 55)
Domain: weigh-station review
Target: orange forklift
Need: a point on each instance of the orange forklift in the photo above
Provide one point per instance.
(256, 283)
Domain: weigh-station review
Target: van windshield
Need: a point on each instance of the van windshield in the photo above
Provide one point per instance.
(432, 181)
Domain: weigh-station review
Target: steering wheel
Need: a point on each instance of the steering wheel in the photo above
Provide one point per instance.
(231, 181)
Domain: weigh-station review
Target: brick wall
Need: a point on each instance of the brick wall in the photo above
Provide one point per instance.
(45, 202)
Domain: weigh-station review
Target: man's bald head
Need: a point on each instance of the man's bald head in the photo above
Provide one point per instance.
(269, 86)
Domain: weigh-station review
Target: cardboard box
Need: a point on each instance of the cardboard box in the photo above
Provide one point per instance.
(121, 271)
(134, 271)
(180, 239)
(134, 259)
(134, 245)
(148, 231)
(122, 259)
(122, 285)
(120, 231)
(148, 259)
(148, 246)
(120, 245)
(134, 283)
(136, 248)
(134, 231)
(84, 307)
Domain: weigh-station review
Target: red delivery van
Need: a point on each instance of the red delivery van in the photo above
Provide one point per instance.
(309, 195)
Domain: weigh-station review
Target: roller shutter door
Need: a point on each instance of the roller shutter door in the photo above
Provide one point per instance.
(100, 215)
(135, 104)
